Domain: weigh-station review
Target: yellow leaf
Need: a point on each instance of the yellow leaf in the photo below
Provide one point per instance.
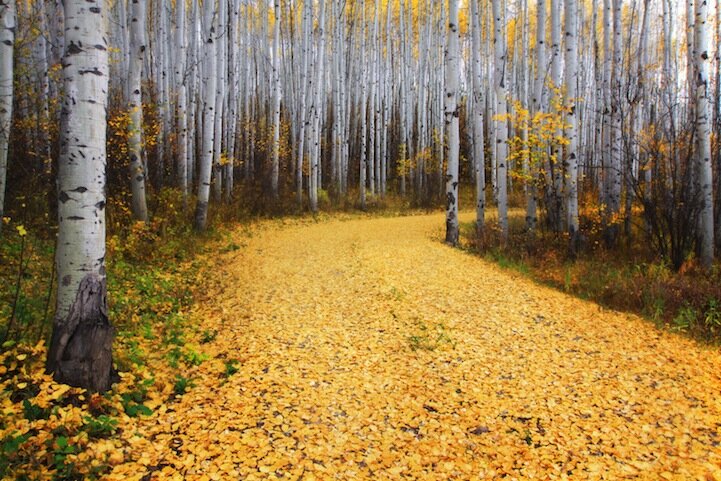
(62, 389)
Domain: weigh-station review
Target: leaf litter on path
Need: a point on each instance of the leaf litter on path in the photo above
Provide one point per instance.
(367, 349)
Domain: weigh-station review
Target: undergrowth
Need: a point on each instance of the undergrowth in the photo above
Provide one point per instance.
(627, 278)
(52, 431)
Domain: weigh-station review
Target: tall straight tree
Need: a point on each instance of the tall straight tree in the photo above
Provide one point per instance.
(571, 61)
(452, 77)
(702, 58)
(499, 79)
(317, 111)
(7, 45)
(275, 166)
(80, 350)
(538, 103)
(209, 79)
(220, 42)
(555, 173)
(137, 167)
(477, 121)
(180, 80)
(614, 171)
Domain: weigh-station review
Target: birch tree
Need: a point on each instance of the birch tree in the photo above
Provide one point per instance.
(180, 79)
(219, 42)
(7, 45)
(538, 97)
(80, 351)
(501, 129)
(302, 114)
(477, 118)
(614, 171)
(135, 97)
(452, 77)
(276, 101)
(571, 61)
(208, 134)
(702, 58)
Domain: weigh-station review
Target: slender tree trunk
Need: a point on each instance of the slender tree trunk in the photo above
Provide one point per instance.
(275, 168)
(135, 97)
(221, 39)
(571, 8)
(702, 57)
(477, 119)
(452, 76)
(306, 53)
(7, 45)
(209, 77)
(615, 170)
(500, 66)
(316, 110)
(43, 109)
(555, 203)
(538, 106)
(80, 351)
(363, 115)
(181, 85)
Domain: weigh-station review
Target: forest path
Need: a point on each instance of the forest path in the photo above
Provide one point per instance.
(368, 349)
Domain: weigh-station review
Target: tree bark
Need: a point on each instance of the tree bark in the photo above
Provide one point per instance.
(210, 78)
(477, 119)
(702, 84)
(275, 167)
(500, 65)
(571, 61)
(180, 80)
(80, 351)
(7, 45)
(452, 76)
(137, 168)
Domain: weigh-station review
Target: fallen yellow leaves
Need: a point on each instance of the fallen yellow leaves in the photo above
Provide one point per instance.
(366, 349)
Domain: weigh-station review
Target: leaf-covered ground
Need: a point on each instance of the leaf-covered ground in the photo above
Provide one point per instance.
(367, 349)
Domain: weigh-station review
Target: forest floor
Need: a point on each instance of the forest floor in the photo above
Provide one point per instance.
(367, 349)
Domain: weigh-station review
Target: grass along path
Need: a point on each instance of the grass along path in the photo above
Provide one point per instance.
(367, 349)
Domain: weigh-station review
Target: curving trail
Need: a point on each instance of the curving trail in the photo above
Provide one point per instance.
(370, 350)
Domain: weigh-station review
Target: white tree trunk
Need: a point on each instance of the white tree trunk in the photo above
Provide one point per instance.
(556, 173)
(571, 60)
(180, 79)
(7, 45)
(702, 57)
(316, 111)
(363, 116)
(500, 66)
(135, 145)
(275, 167)
(452, 77)
(538, 103)
(302, 114)
(80, 350)
(221, 39)
(615, 171)
(210, 72)
(477, 118)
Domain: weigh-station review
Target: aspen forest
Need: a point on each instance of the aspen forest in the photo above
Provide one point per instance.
(360, 239)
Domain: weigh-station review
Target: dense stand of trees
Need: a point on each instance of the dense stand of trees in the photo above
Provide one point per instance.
(613, 106)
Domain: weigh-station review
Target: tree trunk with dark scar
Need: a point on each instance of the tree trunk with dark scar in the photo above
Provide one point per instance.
(80, 351)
